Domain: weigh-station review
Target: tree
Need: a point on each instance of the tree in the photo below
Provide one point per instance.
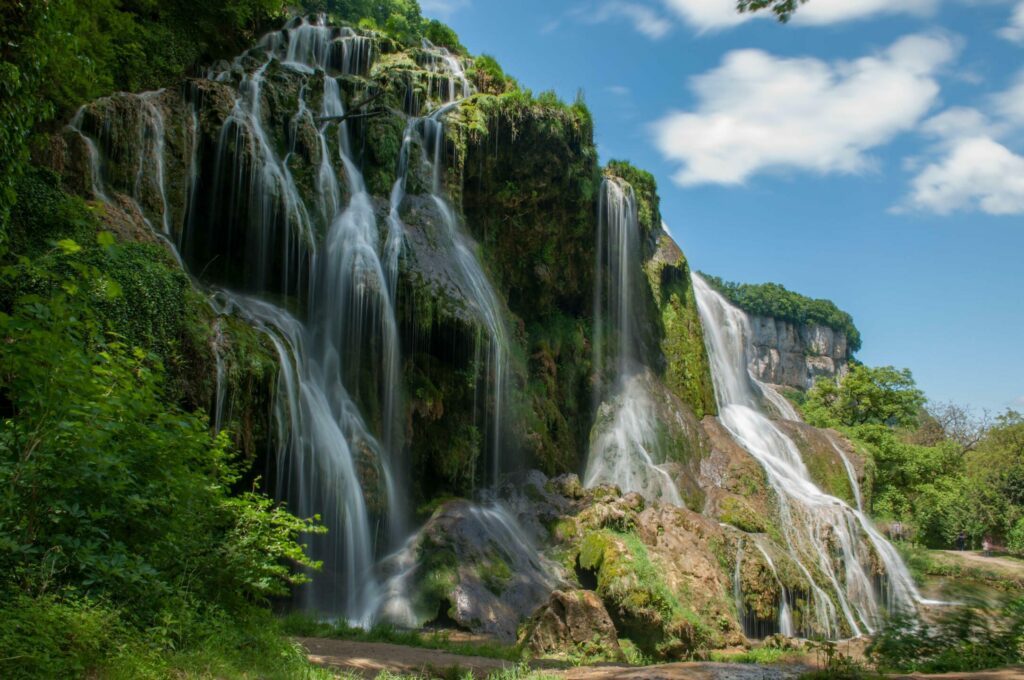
(866, 396)
(782, 9)
(960, 424)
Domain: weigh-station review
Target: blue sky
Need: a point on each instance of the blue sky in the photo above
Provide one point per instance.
(870, 152)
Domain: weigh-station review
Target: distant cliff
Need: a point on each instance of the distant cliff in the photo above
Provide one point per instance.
(786, 353)
(795, 338)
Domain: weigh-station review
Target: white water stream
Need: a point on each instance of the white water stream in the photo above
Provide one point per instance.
(823, 535)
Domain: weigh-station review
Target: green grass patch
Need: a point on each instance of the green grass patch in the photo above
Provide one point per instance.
(303, 625)
(758, 655)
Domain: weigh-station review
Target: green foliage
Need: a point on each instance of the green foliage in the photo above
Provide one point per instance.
(74, 637)
(865, 396)
(938, 488)
(110, 493)
(489, 77)
(649, 612)
(774, 300)
(782, 9)
(965, 638)
(1015, 539)
(442, 35)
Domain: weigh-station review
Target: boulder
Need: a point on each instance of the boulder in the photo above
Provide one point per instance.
(572, 623)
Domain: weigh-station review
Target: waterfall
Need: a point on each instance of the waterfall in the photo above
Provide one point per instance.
(822, 534)
(330, 461)
(492, 352)
(625, 448)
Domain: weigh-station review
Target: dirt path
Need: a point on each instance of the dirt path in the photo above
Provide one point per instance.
(370, 658)
(686, 671)
(1005, 566)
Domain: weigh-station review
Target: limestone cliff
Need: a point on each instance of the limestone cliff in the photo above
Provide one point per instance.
(795, 355)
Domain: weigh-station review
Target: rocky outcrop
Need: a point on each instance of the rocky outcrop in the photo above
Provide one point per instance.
(471, 566)
(573, 623)
(796, 355)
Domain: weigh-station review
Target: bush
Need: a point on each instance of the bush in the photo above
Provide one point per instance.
(967, 638)
(114, 499)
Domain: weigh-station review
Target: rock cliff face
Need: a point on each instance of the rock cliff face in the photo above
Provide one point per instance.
(796, 355)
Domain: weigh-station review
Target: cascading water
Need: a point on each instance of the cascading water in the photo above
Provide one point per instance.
(830, 542)
(493, 354)
(326, 449)
(624, 447)
(340, 432)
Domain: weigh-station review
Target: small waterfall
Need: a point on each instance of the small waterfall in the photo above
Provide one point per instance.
(449, 82)
(624, 448)
(851, 473)
(306, 45)
(737, 580)
(492, 351)
(822, 533)
(785, 622)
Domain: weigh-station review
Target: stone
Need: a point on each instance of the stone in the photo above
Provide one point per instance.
(796, 355)
(573, 622)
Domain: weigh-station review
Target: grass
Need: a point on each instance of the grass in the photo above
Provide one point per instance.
(924, 563)
(303, 625)
(759, 655)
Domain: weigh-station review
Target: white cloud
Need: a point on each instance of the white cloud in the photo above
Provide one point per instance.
(1010, 104)
(971, 169)
(443, 8)
(642, 18)
(757, 111)
(956, 123)
(978, 173)
(708, 15)
(619, 90)
(821, 12)
(1015, 30)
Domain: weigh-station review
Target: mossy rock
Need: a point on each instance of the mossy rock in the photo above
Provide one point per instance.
(686, 366)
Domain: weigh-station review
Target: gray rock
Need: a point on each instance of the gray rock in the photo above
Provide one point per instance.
(793, 355)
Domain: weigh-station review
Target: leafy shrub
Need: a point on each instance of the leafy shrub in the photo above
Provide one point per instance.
(967, 638)
(865, 396)
(111, 493)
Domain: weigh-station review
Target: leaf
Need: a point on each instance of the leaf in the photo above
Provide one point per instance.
(68, 246)
(105, 239)
(112, 289)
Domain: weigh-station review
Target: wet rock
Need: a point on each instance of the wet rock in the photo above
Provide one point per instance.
(573, 623)
(472, 566)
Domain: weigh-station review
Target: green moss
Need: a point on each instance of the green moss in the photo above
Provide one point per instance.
(742, 515)
(645, 608)
(687, 371)
(383, 142)
(494, 572)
